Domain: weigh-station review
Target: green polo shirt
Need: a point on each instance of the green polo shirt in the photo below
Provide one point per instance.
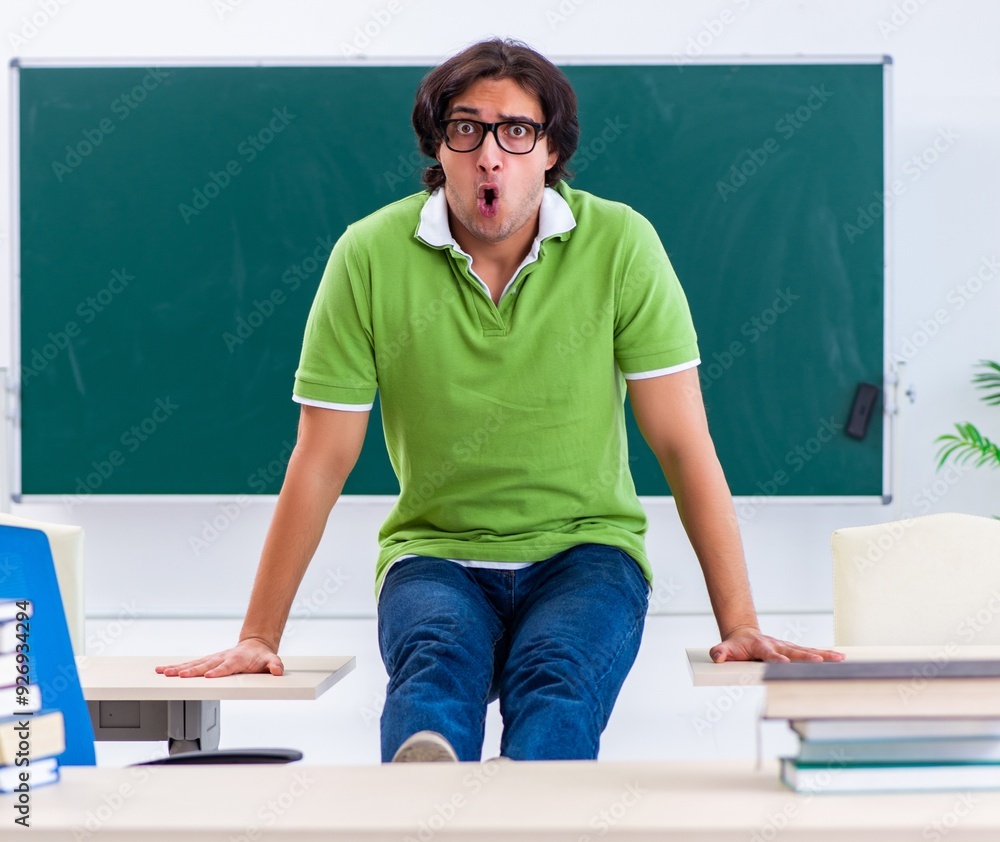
(504, 423)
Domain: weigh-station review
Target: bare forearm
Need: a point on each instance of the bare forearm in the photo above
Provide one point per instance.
(671, 415)
(705, 506)
(300, 516)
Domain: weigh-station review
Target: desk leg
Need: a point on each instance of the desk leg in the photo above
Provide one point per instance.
(192, 726)
(186, 726)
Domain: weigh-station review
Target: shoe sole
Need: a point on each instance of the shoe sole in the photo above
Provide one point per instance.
(425, 749)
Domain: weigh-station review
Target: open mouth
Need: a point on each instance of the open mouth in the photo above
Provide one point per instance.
(489, 200)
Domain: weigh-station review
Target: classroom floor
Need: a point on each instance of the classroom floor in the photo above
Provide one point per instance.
(659, 715)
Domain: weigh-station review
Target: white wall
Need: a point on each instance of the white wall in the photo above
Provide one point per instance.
(945, 225)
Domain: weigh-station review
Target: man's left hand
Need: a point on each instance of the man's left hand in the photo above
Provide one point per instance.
(748, 644)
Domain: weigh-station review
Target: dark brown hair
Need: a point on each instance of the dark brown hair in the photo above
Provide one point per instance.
(498, 58)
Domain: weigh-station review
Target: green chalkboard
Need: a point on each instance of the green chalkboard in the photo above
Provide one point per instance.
(174, 224)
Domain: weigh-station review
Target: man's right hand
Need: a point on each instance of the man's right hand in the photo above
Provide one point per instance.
(248, 656)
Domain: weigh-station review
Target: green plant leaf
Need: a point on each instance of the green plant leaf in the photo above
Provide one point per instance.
(967, 446)
(989, 381)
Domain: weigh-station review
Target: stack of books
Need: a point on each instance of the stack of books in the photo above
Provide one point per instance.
(888, 726)
(31, 738)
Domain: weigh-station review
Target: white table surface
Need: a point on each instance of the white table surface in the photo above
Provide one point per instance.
(134, 678)
(711, 801)
(706, 673)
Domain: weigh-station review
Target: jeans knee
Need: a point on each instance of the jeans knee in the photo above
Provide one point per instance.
(552, 668)
(450, 646)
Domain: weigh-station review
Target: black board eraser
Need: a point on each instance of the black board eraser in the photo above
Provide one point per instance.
(865, 399)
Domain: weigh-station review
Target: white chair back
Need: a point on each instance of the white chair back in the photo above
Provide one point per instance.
(928, 580)
(66, 543)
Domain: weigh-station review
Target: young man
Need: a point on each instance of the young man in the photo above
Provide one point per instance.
(501, 315)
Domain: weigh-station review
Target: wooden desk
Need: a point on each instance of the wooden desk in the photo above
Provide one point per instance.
(570, 801)
(707, 673)
(128, 700)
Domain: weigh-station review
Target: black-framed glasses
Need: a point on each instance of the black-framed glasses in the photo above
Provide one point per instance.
(515, 136)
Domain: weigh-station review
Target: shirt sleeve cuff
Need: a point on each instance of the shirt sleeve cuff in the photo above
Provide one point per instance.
(659, 372)
(660, 362)
(311, 393)
(346, 407)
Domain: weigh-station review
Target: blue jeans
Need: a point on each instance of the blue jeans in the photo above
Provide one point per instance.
(553, 641)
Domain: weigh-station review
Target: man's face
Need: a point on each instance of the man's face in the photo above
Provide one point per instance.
(516, 181)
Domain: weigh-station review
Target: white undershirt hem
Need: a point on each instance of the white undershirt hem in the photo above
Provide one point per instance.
(659, 372)
(345, 407)
(483, 565)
